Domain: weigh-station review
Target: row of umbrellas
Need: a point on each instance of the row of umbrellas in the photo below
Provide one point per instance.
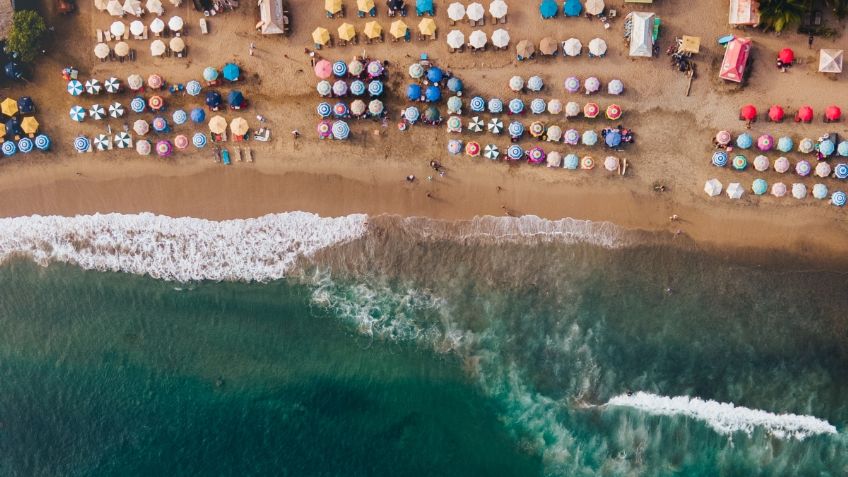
(765, 142)
(117, 110)
(735, 190)
(132, 7)
(136, 28)
(570, 8)
(135, 82)
(230, 72)
(336, 129)
(25, 145)
(12, 107)
(474, 11)
(372, 30)
(537, 129)
(781, 165)
(572, 84)
(124, 140)
(777, 113)
(537, 106)
(534, 155)
(325, 70)
(477, 39)
(357, 108)
(340, 88)
(570, 47)
(435, 75)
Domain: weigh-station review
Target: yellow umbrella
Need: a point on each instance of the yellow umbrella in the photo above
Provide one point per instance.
(321, 36)
(333, 6)
(427, 26)
(2, 129)
(398, 29)
(9, 107)
(29, 125)
(373, 30)
(347, 32)
(218, 124)
(239, 126)
(365, 5)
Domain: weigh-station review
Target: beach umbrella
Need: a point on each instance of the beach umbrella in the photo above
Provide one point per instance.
(333, 6)
(554, 133)
(719, 159)
(820, 191)
(454, 105)
(765, 142)
(198, 140)
(572, 137)
(9, 148)
(572, 47)
(25, 145)
(477, 39)
(456, 11)
(548, 9)
(516, 106)
(340, 110)
(357, 88)
(744, 141)
(180, 141)
(155, 81)
(841, 171)
(803, 168)
(491, 151)
(515, 152)
(454, 124)
(781, 165)
(785, 144)
(477, 104)
(826, 147)
(427, 27)
(587, 163)
(339, 69)
(761, 163)
(177, 44)
(157, 48)
(141, 127)
(805, 114)
(495, 106)
(778, 189)
(123, 140)
(116, 110)
(823, 169)
(759, 186)
(495, 126)
(537, 129)
(375, 88)
(101, 51)
(179, 116)
(236, 99)
(475, 124)
(29, 125)
(516, 83)
(611, 163)
(806, 146)
(748, 112)
(42, 142)
(572, 109)
(786, 56)
(143, 147)
(472, 149)
(454, 146)
(548, 46)
(734, 190)
(155, 6)
(9, 107)
(346, 32)
(594, 7)
(613, 138)
(231, 72)
(75, 88)
(615, 87)
(538, 106)
(592, 85)
(323, 69)
(25, 105)
(613, 112)
(325, 129)
(398, 29)
(776, 113)
(474, 12)
(799, 191)
(102, 142)
(412, 114)
(838, 198)
(572, 8)
(416, 71)
(740, 162)
(239, 127)
(372, 30)
(156, 103)
(525, 49)
(591, 110)
(536, 155)
(842, 148)
(135, 82)
(324, 110)
(723, 138)
(455, 39)
(355, 68)
(340, 88)
(597, 47)
(320, 36)
(82, 144)
(554, 106)
(163, 148)
(413, 92)
(590, 138)
(500, 38)
(160, 124)
(431, 114)
(572, 84)
(832, 113)
(571, 161)
(432, 94)
(93, 86)
(198, 115)
(554, 159)
(375, 107)
(118, 29)
(498, 9)
(137, 28)
(455, 85)
(211, 74)
(713, 187)
(122, 48)
(77, 113)
(137, 104)
(112, 85)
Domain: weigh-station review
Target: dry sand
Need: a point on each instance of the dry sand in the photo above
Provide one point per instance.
(366, 174)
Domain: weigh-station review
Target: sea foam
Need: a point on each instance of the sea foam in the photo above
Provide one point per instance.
(177, 249)
(726, 418)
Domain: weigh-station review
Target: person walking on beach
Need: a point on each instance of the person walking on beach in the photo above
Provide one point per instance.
(251, 49)
(810, 40)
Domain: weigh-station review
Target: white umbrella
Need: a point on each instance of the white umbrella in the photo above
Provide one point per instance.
(176, 3)
(572, 47)
(474, 12)
(157, 25)
(498, 8)
(594, 7)
(611, 164)
(477, 39)
(116, 110)
(713, 187)
(136, 28)
(177, 44)
(778, 189)
(122, 48)
(118, 29)
(102, 142)
(572, 109)
(97, 112)
(133, 7)
(114, 8)
(491, 151)
(456, 11)
(516, 83)
(456, 39)
(495, 126)
(799, 191)
(554, 159)
(101, 50)
(154, 6)
(175, 23)
(500, 38)
(597, 47)
(554, 133)
(554, 106)
(735, 190)
(157, 48)
(135, 81)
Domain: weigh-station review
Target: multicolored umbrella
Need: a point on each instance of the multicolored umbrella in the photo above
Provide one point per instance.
(199, 140)
(75, 88)
(77, 113)
(42, 142)
(141, 127)
(590, 138)
(826, 147)
(587, 163)
(416, 71)
(740, 162)
(164, 148)
(375, 69)
(841, 171)
(9, 148)
(357, 88)
(820, 191)
(803, 168)
(592, 84)
(340, 69)
(723, 138)
(412, 114)
(472, 149)
(572, 137)
(155, 81)
(537, 129)
(138, 105)
(571, 161)
(615, 87)
(112, 85)
(477, 104)
(340, 88)
(454, 124)
(341, 130)
(719, 159)
(193, 88)
(92, 86)
(516, 129)
(536, 155)
(375, 107)
(160, 124)
(535, 83)
(744, 141)
(454, 146)
(116, 110)
(81, 144)
(143, 147)
(25, 145)
(538, 106)
(123, 140)
(324, 88)
(340, 110)
(614, 112)
(156, 103)
(838, 198)
(761, 163)
(591, 110)
(765, 142)
(495, 106)
(491, 151)
(781, 165)
(476, 124)
(572, 84)
(759, 186)
(324, 110)
(515, 152)
(516, 106)
(495, 126)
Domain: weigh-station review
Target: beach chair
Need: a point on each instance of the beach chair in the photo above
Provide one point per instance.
(248, 154)
(107, 36)
(237, 153)
(99, 35)
(127, 34)
(144, 34)
(204, 29)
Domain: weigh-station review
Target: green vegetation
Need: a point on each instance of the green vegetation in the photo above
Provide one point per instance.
(840, 7)
(26, 34)
(777, 14)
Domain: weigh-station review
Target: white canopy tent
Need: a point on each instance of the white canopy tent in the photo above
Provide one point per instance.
(641, 36)
(830, 61)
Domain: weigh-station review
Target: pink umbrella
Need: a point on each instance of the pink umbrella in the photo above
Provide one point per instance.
(765, 142)
(536, 155)
(155, 81)
(781, 165)
(163, 148)
(723, 138)
(323, 69)
(181, 141)
(325, 129)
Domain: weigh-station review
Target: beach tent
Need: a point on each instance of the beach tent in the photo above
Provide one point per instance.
(641, 34)
(735, 60)
(272, 19)
(830, 61)
(744, 12)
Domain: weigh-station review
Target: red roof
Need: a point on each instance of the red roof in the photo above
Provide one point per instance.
(735, 60)
(748, 112)
(776, 113)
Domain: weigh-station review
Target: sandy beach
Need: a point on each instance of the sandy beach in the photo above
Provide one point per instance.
(366, 174)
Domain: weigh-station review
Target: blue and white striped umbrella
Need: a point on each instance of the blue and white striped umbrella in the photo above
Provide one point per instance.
(827, 147)
(515, 152)
(535, 83)
(341, 130)
(199, 140)
(719, 158)
(325, 110)
(538, 106)
(25, 145)
(74, 88)
(193, 88)
(477, 104)
(42, 142)
(81, 144)
(516, 106)
(9, 148)
(572, 137)
(495, 106)
(838, 198)
(375, 88)
(339, 69)
(571, 161)
(412, 114)
(179, 116)
(516, 129)
(841, 171)
(77, 113)
(357, 88)
(842, 149)
(138, 104)
(590, 138)
(112, 85)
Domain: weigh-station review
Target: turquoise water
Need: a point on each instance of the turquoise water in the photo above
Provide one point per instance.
(399, 354)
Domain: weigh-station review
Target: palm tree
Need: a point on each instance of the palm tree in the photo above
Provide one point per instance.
(840, 7)
(776, 14)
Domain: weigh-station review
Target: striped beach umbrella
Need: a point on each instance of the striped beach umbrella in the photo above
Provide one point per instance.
(340, 88)
(92, 86)
(102, 142)
(416, 71)
(340, 69)
(454, 105)
(744, 141)
(516, 106)
(572, 84)
(515, 153)
(454, 146)
(180, 141)
(156, 103)
(138, 105)
(535, 83)
(841, 171)
(375, 69)
(785, 144)
(160, 124)
(571, 161)
(477, 104)
(112, 85)
(123, 140)
(555, 106)
(193, 88)
(803, 168)
(516, 129)
(340, 110)
(781, 165)
(179, 116)
(25, 145)
(590, 138)
(538, 106)
(806, 146)
(325, 110)
(495, 126)
(472, 149)
(587, 163)
(740, 162)
(375, 107)
(341, 130)
(116, 110)
(591, 110)
(81, 144)
(719, 158)
(838, 198)
(495, 106)
(97, 112)
(357, 88)
(537, 129)
(592, 84)
(759, 186)
(454, 124)
(615, 87)
(820, 191)
(77, 113)
(723, 138)
(614, 112)
(827, 147)
(42, 142)
(75, 88)
(761, 163)
(324, 88)
(164, 148)
(536, 155)
(155, 81)
(375, 88)
(412, 114)
(516, 83)
(823, 169)
(199, 140)
(9, 148)
(572, 137)
(476, 124)
(491, 151)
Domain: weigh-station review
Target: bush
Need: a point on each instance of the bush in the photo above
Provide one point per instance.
(26, 35)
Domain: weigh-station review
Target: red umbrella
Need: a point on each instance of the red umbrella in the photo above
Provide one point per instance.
(786, 56)
(832, 113)
(776, 113)
(804, 114)
(748, 112)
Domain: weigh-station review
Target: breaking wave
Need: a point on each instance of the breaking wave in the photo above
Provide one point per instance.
(726, 418)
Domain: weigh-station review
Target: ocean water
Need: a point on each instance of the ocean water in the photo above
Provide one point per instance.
(295, 345)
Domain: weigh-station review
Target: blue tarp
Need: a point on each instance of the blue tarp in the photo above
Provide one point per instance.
(25, 105)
